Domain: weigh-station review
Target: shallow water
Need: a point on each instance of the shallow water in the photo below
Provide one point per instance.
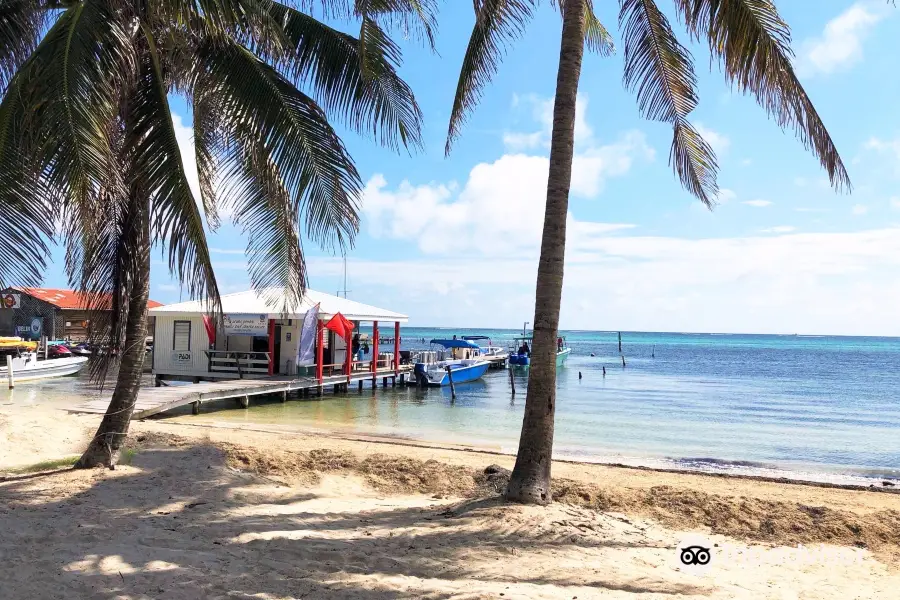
(812, 407)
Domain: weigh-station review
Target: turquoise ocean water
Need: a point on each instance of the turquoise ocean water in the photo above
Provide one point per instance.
(815, 407)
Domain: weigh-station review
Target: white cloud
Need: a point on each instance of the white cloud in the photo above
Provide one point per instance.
(841, 283)
(841, 43)
(167, 287)
(185, 137)
(860, 209)
(501, 205)
(779, 229)
(758, 203)
(726, 195)
(895, 202)
(719, 142)
(541, 112)
(891, 148)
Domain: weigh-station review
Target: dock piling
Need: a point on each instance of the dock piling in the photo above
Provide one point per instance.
(245, 401)
(512, 382)
(452, 387)
(195, 407)
(9, 371)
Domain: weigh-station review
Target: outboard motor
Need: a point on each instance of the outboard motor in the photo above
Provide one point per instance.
(421, 377)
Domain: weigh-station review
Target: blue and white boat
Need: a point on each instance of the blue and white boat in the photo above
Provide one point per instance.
(463, 364)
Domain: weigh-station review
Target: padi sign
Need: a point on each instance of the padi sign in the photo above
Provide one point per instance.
(246, 324)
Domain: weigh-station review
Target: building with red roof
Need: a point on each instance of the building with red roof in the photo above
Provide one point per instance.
(55, 313)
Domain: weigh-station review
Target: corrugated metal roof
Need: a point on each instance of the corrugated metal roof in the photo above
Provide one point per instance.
(270, 302)
(68, 299)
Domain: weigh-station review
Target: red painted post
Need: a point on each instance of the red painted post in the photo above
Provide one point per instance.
(271, 347)
(375, 336)
(320, 350)
(348, 362)
(396, 347)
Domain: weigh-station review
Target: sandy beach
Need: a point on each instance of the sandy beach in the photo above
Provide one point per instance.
(223, 512)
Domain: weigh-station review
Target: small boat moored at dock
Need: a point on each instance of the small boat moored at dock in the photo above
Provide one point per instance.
(464, 364)
(495, 355)
(520, 352)
(27, 367)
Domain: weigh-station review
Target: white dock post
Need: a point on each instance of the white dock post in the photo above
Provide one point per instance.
(9, 371)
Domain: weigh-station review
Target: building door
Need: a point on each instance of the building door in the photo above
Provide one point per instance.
(277, 356)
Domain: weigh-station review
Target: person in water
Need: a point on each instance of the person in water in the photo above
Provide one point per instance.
(604, 371)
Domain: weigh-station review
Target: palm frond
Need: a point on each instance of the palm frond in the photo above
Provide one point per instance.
(497, 24)
(661, 71)
(366, 93)
(752, 42)
(258, 103)
(156, 162)
(414, 18)
(596, 36)
(22, 22)
(268, 215)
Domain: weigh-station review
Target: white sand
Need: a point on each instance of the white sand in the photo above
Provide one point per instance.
(181, 524)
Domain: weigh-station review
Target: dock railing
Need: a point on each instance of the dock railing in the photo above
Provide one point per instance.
(242, 363)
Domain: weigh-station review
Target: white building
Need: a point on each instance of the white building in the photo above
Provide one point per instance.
(255, 339)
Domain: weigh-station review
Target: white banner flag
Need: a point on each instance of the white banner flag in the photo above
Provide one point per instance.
(306, 349)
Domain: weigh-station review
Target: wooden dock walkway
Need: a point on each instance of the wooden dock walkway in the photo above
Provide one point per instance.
(151, 401)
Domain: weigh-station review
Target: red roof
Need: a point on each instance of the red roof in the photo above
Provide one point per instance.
(68, 299)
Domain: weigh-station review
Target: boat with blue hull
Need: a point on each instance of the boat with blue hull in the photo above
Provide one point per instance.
(464, 364)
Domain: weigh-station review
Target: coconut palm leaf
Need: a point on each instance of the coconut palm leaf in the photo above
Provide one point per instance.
(258, 103)
(21, 24)
(497, 23)
(752, 42)
(362, 89)
(596, 36)
(661, 71)
(156, 162)
(268, 215)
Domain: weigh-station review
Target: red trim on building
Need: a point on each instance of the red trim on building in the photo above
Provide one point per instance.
(271, 347)
(375, 335)
(396, 347)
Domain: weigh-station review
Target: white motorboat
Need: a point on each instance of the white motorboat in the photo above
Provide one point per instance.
(26, 366)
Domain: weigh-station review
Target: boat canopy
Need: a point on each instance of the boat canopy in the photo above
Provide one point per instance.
(456, 344)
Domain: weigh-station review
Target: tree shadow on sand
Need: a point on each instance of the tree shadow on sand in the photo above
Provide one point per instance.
(180, 523)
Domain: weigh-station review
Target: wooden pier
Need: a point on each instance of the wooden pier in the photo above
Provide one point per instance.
(151, 401)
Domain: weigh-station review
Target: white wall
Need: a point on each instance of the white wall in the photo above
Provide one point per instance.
(288, 359)
(163, 346)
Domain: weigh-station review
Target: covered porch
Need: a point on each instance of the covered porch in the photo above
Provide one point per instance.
(255, 341)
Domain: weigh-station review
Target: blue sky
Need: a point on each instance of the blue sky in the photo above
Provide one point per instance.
(454, 242)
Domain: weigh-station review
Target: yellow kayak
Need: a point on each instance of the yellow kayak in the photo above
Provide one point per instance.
(17, 343)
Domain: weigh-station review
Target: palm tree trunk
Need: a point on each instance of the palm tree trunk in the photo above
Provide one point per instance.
(530, 480)
(104, 447)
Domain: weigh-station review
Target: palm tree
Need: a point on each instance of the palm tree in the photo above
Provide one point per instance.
(88, 149)
(752, 44)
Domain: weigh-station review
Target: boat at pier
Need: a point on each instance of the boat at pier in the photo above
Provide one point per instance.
(495, 355)
(26, 366)
(520, 352)
(461, 361)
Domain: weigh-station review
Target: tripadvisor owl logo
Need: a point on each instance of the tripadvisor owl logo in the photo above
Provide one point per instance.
(694, 555)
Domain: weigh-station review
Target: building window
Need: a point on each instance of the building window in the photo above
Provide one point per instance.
(182, 340)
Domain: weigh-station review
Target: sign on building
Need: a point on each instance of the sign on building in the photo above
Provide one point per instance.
(244, 324)
(10, 301)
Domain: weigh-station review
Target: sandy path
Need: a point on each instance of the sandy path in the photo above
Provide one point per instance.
(179, 523)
